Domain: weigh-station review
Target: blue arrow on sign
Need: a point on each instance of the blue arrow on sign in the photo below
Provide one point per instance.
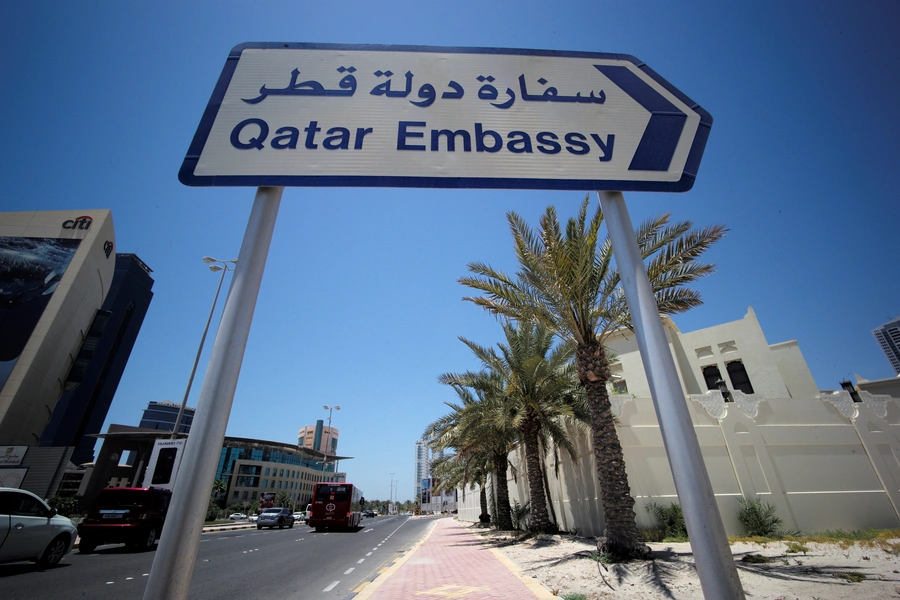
(657, 145)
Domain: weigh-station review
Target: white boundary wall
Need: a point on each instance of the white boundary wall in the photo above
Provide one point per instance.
(824, 462)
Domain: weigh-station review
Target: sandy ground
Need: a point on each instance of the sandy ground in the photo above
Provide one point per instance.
(824, 571)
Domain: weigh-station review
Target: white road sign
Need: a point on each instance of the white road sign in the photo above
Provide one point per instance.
(397, 116)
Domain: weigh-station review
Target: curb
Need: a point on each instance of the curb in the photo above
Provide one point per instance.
(534, 586)
(207, 529)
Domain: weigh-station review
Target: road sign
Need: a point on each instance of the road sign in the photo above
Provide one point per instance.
(399, 116)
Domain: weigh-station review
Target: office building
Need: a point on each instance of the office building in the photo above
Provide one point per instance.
(319, 437)
(162, 415)
(56, 270)
(888, 336)
(100, 362)
(256, 470)
(422, 468)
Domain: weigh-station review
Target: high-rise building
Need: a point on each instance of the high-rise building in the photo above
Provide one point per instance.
(422, 467)
(888, 336)
(98, 366)
(162, 415)
(56, 270)
(319, 437)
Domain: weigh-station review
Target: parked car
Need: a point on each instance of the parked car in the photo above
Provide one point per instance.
(237, 516)
(275, 517)
(31, 530)
(253, 518)
(133, 516)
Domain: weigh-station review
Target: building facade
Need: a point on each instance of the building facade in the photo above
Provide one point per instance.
(56, 269)
(823, 458)
(100, 362)
(422, 468)
(319, 437)
(731, 356)
(162, 416)
(257, 470)
(888, 336)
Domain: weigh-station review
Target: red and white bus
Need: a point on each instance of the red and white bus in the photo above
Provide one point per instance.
(335, 504)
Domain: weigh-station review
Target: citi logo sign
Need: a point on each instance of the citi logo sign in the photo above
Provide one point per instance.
(83, 223)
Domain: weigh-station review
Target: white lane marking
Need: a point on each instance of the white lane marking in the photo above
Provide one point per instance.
(128, 578)
(331, 587)
(360, 561)
(368, 554)
(350, 570)
(109, 582)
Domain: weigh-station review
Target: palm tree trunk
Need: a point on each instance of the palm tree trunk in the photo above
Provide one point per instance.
(550, 508)
(622, 537)
(482, 498)
(504, 518)
(540, 521)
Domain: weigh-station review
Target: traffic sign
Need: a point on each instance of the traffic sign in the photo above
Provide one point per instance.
(400, 116)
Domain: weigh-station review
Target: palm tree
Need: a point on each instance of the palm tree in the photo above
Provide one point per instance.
(481, 440)
(567, 281)
(455, 473)
(219, 487)
(536, 385)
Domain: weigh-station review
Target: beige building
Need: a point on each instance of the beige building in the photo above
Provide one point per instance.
(736, 353)
(824, 459)
(56, 268)
(319, 437)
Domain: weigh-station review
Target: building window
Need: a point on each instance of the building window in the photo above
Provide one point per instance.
(711, 374)
(267, 471)
(235, 496)
(253, 496)
(738, 375)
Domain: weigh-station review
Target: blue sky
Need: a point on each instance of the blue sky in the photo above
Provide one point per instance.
(359, 304)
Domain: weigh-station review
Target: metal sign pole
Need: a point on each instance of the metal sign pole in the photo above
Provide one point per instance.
(715, 565)
(173, 566)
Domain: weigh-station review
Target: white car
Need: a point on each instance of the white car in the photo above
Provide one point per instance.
(31, 530)
(253, 518)
(238, 517)
(299, 516)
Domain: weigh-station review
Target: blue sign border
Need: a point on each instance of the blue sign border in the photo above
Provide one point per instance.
(661, 120)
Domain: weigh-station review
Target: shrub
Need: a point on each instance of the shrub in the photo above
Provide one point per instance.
(67, 506)
(213, 512)
(757, 518)
(519, 515)
(756, 559)
(796, 547)
(670, 519)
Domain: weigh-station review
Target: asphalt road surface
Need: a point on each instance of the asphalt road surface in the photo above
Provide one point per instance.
(269, 564)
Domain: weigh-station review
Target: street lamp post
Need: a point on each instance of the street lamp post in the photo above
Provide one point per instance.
(391, 494)
(221, 266)
(325, 459)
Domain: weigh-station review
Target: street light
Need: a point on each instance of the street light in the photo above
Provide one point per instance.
(391, 494)
(325, 459)
(214, 268)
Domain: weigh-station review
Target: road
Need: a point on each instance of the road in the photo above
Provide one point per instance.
(268, 564)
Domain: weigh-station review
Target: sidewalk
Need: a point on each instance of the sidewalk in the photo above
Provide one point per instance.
(450, 562)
